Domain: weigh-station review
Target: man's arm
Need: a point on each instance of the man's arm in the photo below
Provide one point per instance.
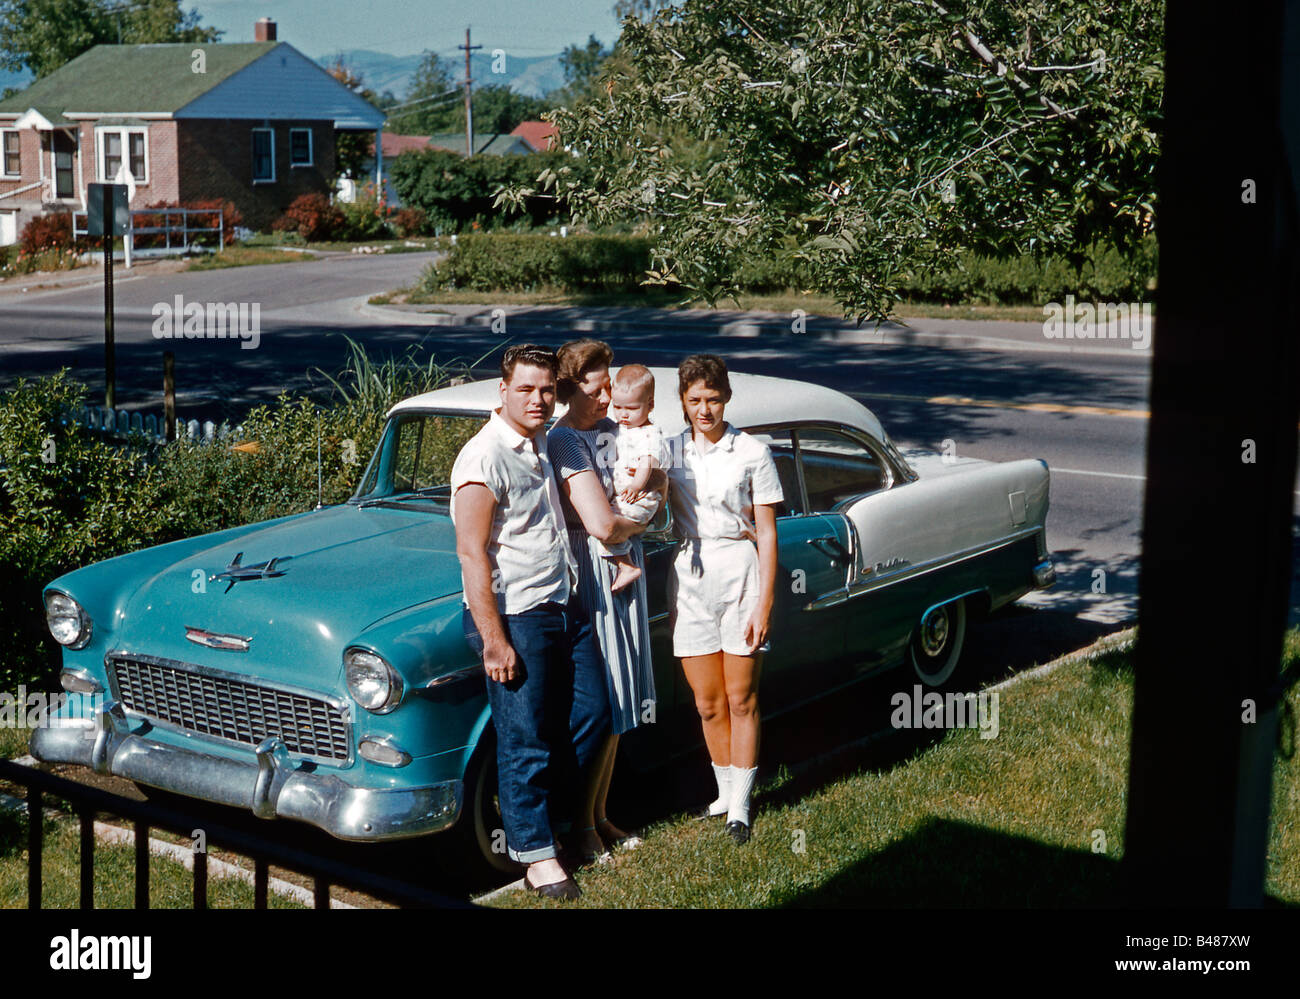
(475, 508)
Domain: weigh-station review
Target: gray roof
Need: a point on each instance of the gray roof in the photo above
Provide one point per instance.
(246, 80)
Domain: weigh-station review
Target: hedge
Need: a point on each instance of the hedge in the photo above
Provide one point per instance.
(527, 262)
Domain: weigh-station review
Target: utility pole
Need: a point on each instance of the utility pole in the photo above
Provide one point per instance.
(469, 104)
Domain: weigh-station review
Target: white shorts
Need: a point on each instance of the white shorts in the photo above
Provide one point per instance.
(712, 591)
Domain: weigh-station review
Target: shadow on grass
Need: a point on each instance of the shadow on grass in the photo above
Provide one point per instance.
(947, 864)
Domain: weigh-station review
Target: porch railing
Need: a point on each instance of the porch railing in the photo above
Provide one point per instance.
(87, 801)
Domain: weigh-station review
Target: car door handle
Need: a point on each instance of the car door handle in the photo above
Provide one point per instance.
(830, 546)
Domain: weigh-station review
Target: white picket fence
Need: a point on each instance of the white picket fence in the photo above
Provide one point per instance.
(120, 423)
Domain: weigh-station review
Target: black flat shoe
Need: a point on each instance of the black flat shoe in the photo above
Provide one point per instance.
(738, 831)
(566, 889)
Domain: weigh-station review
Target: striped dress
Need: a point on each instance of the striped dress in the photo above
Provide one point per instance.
(621, 620)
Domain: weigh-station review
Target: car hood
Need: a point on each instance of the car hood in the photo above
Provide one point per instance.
(343, 570)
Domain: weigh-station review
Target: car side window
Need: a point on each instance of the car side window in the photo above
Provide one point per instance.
(836, 468)
(781, 444)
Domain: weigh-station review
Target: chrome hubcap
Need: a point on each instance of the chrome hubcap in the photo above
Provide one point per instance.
(934, 631)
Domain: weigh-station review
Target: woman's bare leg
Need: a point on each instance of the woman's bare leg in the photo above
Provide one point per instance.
(705, 675)
(741, 683)
(602, 771)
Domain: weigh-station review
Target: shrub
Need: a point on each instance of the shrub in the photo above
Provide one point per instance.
(312, 217)
(408, 222)
(366, 217)
(50, 231)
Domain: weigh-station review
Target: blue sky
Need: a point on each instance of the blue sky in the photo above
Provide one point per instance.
(402, 27)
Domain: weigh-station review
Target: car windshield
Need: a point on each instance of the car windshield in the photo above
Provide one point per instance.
(413, 461)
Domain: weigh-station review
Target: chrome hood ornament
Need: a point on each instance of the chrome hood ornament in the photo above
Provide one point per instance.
(236, 573)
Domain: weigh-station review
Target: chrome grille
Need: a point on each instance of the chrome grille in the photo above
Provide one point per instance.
(231, 709)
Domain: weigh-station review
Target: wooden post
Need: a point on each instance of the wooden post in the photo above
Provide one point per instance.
(169, 396)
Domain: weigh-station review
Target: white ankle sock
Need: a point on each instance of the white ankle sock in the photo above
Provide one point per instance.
(742, 784)
(723, 801)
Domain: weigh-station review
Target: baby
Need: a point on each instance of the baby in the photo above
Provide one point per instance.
(640, 450)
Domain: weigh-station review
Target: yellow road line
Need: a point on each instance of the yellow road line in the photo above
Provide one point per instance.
(1029, 407)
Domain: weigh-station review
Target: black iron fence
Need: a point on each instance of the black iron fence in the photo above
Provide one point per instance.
(87, 802)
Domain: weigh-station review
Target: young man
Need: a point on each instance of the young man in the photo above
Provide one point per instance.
(545, 678)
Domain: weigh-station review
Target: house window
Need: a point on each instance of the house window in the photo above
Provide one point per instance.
(263, 155)
(300, 147)
(65, 161)
(118, 143)
(12, 164)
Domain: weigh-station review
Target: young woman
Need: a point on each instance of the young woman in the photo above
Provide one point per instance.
(724, 492)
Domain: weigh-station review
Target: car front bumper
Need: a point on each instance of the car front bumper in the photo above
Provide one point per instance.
(271, 788)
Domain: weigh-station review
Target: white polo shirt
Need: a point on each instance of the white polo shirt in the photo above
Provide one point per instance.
(527, 546)
(714, 488)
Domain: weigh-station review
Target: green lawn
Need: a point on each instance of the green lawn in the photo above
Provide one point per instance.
(171, 886)
(244, 256)
(1032, 818)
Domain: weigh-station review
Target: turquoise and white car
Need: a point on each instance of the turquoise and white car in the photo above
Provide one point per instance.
(313, 667)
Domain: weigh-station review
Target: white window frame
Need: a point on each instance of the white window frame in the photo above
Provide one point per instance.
(124, 133)
(311, 149)
(253, 151)
(3, 172)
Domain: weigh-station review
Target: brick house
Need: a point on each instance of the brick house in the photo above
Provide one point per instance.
(252, 123)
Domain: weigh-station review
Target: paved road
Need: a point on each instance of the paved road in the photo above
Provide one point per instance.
(992, 390)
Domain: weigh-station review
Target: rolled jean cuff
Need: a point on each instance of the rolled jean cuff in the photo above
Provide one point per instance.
(532, 856)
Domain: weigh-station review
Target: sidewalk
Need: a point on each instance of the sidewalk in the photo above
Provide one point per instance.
(90, 275)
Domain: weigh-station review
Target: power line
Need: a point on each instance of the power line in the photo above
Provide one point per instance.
(424, 100)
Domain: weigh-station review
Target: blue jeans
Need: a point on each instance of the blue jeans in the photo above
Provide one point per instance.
(550, 721)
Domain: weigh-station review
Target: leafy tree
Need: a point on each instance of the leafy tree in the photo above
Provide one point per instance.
(458, 192)
(42, 35)
(581, 63)
(497, 108)
(352, 148)
(434, 113)
(863, 138)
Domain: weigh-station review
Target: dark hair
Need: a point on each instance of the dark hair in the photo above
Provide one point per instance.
(528, 353)
(576, 358)
(707, 368)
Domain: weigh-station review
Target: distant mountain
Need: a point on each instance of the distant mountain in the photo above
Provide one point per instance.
(534, 77)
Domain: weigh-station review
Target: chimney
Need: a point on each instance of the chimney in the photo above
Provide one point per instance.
(264, 30)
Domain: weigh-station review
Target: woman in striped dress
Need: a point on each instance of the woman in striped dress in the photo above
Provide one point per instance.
(580, 446)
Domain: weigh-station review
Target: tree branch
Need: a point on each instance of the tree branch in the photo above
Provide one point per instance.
(992, 142)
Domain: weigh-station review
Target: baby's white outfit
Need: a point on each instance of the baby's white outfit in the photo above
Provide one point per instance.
(631, 444)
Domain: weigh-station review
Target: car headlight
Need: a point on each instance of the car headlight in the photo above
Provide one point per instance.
(68, 621)
(372, 681)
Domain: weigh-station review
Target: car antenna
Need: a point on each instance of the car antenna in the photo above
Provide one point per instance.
(320, 496)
